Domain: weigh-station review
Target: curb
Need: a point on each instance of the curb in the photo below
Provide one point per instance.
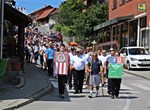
(34, 97)
(135, 74)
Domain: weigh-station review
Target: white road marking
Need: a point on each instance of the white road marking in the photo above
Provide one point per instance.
(128, 103)
(141, 86)
(125, 87)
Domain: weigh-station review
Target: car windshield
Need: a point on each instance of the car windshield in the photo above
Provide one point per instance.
(138, 51)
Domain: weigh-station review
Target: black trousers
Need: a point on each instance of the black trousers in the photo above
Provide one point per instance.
(70, 73)
(41, 60)
(61, 83)
(78, 76)
(28, 57)
(115, 86)
(109, 87)
(50, 67)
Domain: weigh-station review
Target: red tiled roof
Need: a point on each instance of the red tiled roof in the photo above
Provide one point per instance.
(55, 11)
(45, 13)
(49, 6)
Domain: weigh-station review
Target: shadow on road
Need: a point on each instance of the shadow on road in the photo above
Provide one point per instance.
(128, 97)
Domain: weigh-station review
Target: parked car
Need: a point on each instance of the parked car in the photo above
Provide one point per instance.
(135, 57)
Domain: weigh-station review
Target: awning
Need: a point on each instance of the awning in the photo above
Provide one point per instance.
(16, 17)
(113, 21)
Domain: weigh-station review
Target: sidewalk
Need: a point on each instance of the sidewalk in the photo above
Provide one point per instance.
(36, 85)
(144, 73)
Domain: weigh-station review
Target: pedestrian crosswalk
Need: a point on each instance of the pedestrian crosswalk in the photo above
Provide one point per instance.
(135, 88)
(141, 86)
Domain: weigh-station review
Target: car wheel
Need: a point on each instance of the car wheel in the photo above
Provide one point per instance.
(128, 65)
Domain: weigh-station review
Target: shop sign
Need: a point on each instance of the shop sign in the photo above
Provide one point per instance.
(141, 7)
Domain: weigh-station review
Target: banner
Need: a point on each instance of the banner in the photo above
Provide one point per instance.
(115, 71)
(113, 60)
(61, 63)
(120, 60)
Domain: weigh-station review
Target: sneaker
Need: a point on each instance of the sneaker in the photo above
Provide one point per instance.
(62, 96)
(113, 97)
(90, 96)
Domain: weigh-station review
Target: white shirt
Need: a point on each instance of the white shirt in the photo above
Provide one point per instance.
(78, 63)
(88, 58)
(71, 56)
(35, 48)
(102, 59)
(43, 49)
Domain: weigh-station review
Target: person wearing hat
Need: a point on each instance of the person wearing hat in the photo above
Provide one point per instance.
(111, 59)
(78, 65)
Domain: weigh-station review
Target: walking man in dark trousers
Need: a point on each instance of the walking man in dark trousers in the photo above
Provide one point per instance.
(78, 65)
(50, 56)
(61, 59)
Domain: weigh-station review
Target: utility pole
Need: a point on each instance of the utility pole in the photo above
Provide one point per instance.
(1, 26)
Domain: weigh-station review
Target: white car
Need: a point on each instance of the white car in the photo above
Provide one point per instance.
(135, 57)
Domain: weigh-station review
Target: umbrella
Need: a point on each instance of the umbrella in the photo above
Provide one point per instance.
(73, 44)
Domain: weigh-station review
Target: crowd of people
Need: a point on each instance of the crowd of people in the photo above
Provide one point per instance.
(82, 62)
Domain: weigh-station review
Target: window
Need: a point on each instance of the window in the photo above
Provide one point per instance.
(122, 2)
(143, 22)
(114, 4)
(124, 27)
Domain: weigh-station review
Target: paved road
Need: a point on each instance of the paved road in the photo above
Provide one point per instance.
(134, 95)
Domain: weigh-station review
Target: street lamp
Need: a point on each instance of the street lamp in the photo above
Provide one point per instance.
(94, 43)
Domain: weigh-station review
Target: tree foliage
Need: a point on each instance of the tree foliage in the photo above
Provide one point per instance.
(81, 23)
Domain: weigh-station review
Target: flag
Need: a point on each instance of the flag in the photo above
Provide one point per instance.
(61, 63)
(120, 60)
(113, 60)
(115, 71)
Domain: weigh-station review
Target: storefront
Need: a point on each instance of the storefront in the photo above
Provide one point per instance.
(130, 31)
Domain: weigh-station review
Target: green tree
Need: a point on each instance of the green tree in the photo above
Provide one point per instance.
(73, 19)
(85, 22)
(69, 11)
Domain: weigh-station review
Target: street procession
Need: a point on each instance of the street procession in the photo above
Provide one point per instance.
(74, 54)
(72, 65)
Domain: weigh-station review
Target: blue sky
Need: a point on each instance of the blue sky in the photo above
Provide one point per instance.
(33, 5)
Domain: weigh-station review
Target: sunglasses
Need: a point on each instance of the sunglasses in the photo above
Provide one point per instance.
(94, 55)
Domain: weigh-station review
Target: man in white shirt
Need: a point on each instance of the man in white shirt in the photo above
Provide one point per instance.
(78, 64)
(103, 57)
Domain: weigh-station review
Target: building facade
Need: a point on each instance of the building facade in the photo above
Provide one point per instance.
(42, 18)
(128, 25)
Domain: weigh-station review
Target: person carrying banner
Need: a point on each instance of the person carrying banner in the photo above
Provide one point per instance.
(110, 59)
(95, 68)
(114, 74)
(78, 64)
(116, 82)
(61, 61)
